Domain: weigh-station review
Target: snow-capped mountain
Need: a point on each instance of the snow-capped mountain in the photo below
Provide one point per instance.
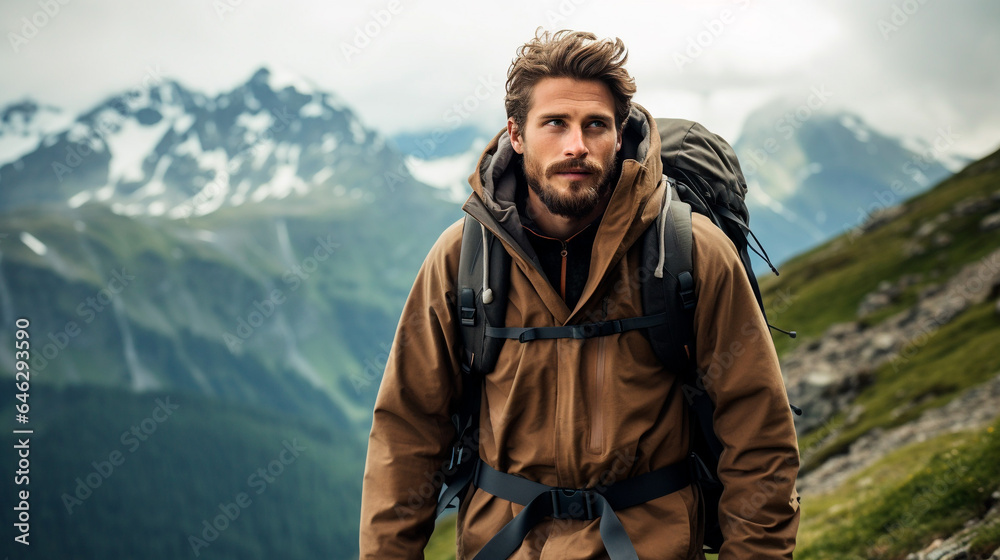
(167, 151)
(815, 174)
(444, 159)
(213, 205)
(25, 124)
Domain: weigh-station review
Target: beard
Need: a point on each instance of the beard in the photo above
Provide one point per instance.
(583, 196)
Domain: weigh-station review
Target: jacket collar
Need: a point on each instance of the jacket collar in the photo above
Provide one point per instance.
(633, 206)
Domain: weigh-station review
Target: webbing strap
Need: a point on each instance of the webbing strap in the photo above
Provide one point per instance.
(587, 330)
(541, 501)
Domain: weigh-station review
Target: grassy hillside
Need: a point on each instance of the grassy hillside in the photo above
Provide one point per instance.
(98, 490)
(281, 312)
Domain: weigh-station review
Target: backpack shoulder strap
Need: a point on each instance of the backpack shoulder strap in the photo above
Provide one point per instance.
(668, 280)
(483, 282)
(669, 287)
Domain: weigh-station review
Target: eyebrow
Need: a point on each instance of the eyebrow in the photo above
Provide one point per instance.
(592, 116)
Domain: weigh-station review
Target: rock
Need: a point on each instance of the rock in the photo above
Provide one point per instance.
(913, 249)
(884, 295)
(873, 302)
(930, 291)
(970, 206)
(926, 229)
(881, 217)
(942, 239)
(908, 280)
(990, 223)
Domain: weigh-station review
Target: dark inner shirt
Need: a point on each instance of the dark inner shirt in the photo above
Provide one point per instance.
(550, 252)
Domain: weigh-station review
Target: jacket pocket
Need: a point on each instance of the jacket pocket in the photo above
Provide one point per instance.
(597, 389)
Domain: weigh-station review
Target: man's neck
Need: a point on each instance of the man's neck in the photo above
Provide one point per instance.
(557, 226)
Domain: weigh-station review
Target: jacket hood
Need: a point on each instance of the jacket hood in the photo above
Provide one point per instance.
(634, 203)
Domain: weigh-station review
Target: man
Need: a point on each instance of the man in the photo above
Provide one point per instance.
(569, 187)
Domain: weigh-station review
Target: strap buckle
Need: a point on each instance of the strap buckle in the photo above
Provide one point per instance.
(570, 503)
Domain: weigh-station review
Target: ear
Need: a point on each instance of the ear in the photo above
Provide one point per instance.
(618, 143)
(516, 140)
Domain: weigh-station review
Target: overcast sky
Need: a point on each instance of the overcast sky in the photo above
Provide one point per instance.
(920, 68)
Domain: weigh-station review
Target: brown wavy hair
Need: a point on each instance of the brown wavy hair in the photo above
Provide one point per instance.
(568, 54)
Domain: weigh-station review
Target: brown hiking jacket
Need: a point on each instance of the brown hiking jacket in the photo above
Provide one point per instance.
(583, 413)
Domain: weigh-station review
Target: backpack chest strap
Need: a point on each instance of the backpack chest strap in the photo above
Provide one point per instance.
(541, 501)
(586, 330)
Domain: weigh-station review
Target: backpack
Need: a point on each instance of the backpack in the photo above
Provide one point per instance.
(702, 175)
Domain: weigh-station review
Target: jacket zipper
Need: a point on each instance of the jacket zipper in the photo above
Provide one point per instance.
(562, 274)
(597, 394)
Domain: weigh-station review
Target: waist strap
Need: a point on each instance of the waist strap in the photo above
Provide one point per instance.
(541, 501)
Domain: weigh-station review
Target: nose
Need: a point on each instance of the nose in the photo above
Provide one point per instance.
(575, 146)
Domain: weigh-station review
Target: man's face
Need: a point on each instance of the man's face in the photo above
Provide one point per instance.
(569, 143)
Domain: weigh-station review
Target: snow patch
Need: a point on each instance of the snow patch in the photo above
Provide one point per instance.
(861, 132)
(449, 174)
(240, 196)
(329, 143)
(190, 146)
(78, 199)
(312, 109)
(104, 193)
(255, 124)
(282, 184)
(280, 78)
(33, 243)
(322, 175)
(183, 123)
(130, 145)
(23, 134)
(357, 131)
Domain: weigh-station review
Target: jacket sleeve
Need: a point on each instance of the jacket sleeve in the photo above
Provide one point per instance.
(760, 460)
(411, 426)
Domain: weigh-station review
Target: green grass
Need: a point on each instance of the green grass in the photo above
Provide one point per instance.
(905, 501)
(959, 355)
(442, 543)
(827, 284)
(986, 541)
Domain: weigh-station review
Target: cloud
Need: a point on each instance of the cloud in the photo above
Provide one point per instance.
(408, 64)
